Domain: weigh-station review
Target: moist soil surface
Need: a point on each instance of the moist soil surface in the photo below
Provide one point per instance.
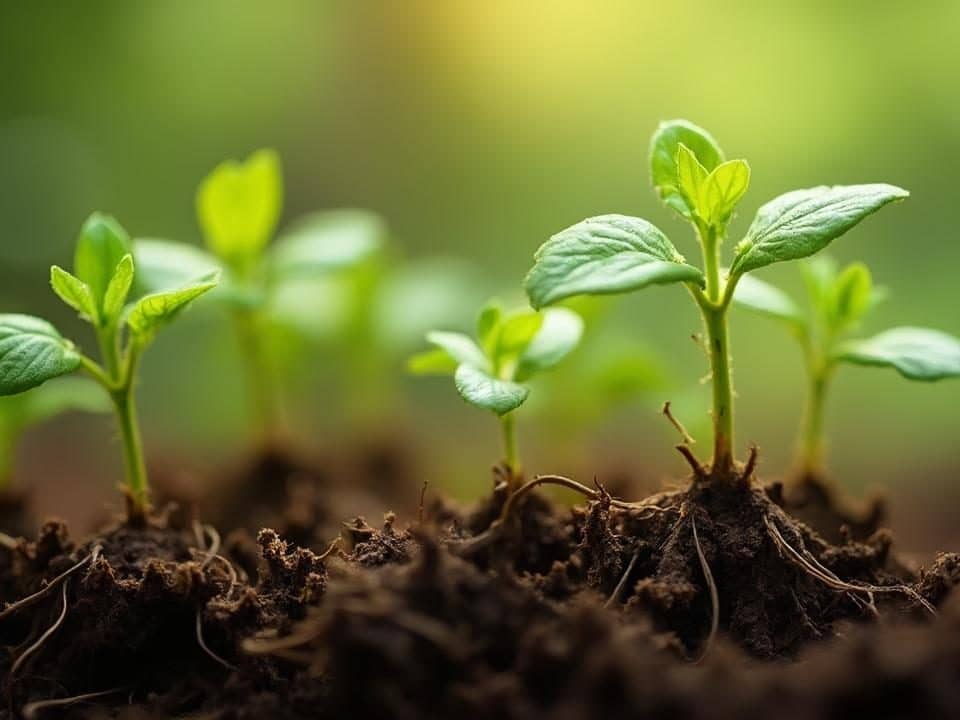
(711, 602)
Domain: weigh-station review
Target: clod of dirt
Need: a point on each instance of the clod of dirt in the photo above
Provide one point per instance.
(817, 503)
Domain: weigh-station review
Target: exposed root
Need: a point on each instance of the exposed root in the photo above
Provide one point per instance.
(8, 541)
(712, 587)
(205, 648)
(50, 586)
(334, 545)
(691, 459)
(687, 437)
(32, 710)
(832, 581)
(618, 590)
(751, 464)
(42, 639)
(423, 497)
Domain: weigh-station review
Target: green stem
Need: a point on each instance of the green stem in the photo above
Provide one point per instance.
(259, 381)
(109, 349)
(508, 426)
(812, 445)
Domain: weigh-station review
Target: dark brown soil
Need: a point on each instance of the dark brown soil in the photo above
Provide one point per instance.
(595, 611)
(817, 502)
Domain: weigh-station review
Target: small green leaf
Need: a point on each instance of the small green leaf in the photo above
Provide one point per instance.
(32, 351)
(850, 296)
(488, 325)
(819, 275)
(559, 334)
(691, 178)
(803, 222)
(664, 149)
(916, 353)
(432, 362)
(100, 248)
(165, 265)
(151, 312)
(328, 241)
(516, 332)
(460, 347)
(75, 293)
(722, 190)
(118, 289)
(480, 389)
(765, 299)
(238, 205)
(604, 255)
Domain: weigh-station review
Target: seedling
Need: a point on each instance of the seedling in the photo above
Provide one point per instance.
(19, 412)
(617, 254)
(838, 302)
(33, 351)
(238, 208)
(492, 371)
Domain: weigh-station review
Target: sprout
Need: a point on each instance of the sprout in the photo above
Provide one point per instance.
(838, 301)
(492, 371)
(33, 351)
(238, 208)
(617, 254)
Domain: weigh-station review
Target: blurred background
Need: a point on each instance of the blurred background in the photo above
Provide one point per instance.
(477, 130)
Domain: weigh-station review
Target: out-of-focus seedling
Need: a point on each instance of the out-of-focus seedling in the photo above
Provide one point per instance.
(838, 301)
(492, 371)
(33, 351)
(616, 254)
(238, 208)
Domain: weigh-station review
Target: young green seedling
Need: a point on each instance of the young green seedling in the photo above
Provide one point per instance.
(32, 351)
(616, 253)
(238, 208)
(491, 372)
(19, 412)
(838, 302)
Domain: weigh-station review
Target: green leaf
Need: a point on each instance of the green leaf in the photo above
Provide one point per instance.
(32, 351)
(118, 289)
(819, 275)
(559, 334)
(238, 205)
(722, 190)
(488, 325)
(916, 353)
(328, 241)
(850, 296)
(165, 265)
(480, 389)
(765, 299)
(460, 347)
(604, 255)
(151, 312)
(664, 149)
(75, 293)
(101, 246)
(432, 362)
(803, 222)
(691, 178)
(516, 332)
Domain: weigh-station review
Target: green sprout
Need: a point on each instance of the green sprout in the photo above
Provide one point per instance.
(838, 302)
(19, 412)
(491, 372)
(238, 209)
(617, 254)
(33, 351)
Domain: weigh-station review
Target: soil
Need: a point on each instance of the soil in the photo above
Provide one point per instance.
(815, 500)
(710, 602)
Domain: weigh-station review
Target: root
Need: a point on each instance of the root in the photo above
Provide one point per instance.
(50, 586)
(205, 648)
(712, 587)
(687, 438)
(751, 464)
(334, 545)
(42, 639)
(31, 710)
(8, 541)
(691, 459)
(832, 581)
(423, 497)
(618, 590)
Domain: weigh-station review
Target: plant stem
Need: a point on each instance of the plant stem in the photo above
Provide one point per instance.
(811, 446)
(508, 426)
(259, 381)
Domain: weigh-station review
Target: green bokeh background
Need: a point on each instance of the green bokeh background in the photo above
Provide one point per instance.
(477, 130)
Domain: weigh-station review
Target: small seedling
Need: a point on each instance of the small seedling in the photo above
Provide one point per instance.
(238, 208)
(491, 372)
(33, 351)
(20, 412)
(616, 254)
(838, 302)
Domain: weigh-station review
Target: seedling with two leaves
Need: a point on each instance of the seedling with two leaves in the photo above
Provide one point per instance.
(492, 371)
(838, 302)
(617, 253)
(238, 208)
(32, 351)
